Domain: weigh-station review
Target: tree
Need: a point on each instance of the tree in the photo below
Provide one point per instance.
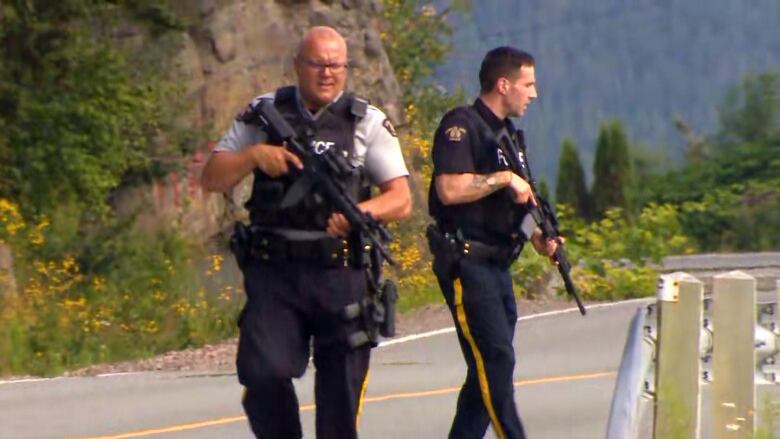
(730, 196)
(571, 188)
(611, 168)
(543, 189)
(750, 112)
(78, 113)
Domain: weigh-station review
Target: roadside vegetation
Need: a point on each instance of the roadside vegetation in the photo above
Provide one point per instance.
(83, 117)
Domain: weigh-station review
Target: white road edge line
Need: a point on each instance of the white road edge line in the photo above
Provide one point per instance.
(386, 343)
(450, 329)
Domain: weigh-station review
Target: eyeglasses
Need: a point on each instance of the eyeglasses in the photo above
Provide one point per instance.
(334, 67)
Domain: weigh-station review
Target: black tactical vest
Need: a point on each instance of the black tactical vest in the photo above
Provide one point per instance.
(495, 218)
(332, 132)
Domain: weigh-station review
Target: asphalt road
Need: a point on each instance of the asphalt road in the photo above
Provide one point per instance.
(564, 379)
(564, 382)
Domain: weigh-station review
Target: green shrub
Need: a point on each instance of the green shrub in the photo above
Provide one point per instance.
(84, 298)
(614, 258)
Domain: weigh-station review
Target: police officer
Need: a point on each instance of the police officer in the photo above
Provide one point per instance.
(303, 271)
(478, 200)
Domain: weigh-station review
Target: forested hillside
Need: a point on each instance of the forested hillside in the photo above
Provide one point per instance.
(645, 62)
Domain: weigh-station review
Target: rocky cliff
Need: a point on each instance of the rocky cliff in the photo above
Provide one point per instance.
(231, 52)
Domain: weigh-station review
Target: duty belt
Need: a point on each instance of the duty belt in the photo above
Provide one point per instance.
(328, 252)
(497, 253)
(455, 241)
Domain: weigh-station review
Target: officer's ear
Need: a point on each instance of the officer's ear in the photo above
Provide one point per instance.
(502, 85)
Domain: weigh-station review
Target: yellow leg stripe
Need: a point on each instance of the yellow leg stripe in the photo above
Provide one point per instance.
(481, 374)
(360, 401)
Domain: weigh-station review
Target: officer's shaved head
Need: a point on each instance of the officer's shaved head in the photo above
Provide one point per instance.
(316, 35)
(321, 66)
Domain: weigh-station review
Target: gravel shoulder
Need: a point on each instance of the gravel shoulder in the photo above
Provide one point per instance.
(220, 357)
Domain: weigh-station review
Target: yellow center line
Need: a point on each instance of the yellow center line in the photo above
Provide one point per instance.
(307, 407)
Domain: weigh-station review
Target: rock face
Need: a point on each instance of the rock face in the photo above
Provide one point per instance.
(236, 50)
(240, 49)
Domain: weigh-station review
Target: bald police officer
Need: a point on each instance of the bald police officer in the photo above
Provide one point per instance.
(304, 269)
(478, 199)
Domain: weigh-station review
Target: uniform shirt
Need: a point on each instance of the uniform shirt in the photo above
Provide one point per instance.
(457, 149)
(376, 143)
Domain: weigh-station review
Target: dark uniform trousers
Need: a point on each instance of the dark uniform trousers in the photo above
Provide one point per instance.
(480, 297)
(287, 305)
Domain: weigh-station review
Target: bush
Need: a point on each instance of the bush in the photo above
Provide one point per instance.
(612, 259)
(84, 299)
(740, 217)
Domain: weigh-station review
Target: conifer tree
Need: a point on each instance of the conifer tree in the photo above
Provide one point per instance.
(611, 168)
(543, 189)
(571, 188)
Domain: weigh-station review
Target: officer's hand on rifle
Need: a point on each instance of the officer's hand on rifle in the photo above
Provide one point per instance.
(521, 190)
(273, 160)
(545, 247)
(338, 226)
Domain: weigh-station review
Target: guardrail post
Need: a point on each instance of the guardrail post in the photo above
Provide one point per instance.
(734, 363)
(678, 368)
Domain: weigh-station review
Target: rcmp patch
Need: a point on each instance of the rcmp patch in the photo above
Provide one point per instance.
(455, 133)
(389, 127)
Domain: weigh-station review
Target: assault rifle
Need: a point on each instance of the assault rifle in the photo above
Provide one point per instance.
(542, 215)
(544, 218)
(318, 172)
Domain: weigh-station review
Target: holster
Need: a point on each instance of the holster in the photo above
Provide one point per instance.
(388, 297)
(445, 250)
(377, 313)
(241, 244)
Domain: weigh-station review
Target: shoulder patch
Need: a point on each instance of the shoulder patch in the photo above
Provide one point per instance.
(455, 133)
(389, 127)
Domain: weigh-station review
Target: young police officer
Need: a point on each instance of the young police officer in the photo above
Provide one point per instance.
(478, 200)
(303, 272)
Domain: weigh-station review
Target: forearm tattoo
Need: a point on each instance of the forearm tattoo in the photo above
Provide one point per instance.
(479, 181)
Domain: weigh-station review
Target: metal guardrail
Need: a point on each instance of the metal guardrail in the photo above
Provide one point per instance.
(624, 415)
(685, 341)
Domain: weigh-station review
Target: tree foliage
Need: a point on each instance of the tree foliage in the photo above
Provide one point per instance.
(749, 112)
(78, 113)
(731, 197)
(611, 168)
(571, 188)
(416, 39)
(83, 112)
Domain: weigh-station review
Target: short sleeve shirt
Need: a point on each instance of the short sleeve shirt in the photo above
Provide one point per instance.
(456, 150)
(376, 143)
